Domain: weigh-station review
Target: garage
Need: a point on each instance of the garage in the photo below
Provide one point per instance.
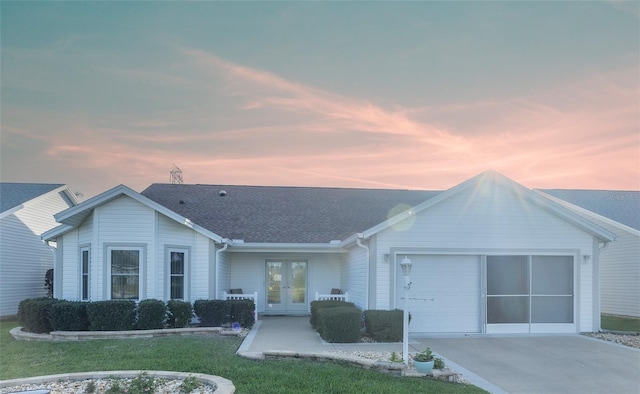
(445, 294)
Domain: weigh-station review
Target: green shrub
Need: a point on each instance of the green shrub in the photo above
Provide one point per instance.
(212, 313)
(242, 312)
(69, 316)
(340, 324)
(33, 314)
(384, 326)
(317, 305)
(143, 383)
(179, 313)
(151, 314)
(114, 315)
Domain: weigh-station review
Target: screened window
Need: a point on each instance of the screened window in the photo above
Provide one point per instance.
(125, 274)
(530, 289)
(84, 274)
(177, 279)
(507, 289)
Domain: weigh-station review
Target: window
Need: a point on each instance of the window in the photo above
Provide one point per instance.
(177, 275)
(125, 273)
(177, 272)
(84, 274)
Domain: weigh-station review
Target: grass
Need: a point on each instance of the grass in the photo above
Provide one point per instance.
(210, 355)
(618, 323)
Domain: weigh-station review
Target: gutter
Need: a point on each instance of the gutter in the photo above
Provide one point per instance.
(368, 264)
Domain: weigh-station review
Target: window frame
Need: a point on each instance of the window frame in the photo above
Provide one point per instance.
(186, 277)
(141, 249)
(82, 286)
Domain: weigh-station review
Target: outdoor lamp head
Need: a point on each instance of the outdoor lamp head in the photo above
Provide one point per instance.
(406, 268)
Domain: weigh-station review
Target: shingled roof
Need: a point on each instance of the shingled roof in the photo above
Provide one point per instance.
(283, 214)
(621, 206)
(14, 194)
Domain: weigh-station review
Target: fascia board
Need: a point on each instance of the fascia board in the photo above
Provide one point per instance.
(55, 232)
(11, 211)
(573, 207)
(285, 247)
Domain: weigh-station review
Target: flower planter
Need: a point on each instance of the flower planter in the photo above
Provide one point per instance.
(423, 366)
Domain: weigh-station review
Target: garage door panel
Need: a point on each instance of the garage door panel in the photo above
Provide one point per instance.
(445, 294)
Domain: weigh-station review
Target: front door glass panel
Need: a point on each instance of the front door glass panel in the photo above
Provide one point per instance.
(286, 286)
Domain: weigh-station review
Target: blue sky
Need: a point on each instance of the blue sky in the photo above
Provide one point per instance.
(350, 94)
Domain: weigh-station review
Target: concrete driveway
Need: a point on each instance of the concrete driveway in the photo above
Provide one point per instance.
(542, 364)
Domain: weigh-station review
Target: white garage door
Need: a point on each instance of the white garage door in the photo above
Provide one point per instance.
(445, 294)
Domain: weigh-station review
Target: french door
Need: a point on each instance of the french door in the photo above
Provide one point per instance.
(286, 287)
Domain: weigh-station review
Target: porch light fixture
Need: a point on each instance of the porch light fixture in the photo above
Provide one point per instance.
(406, 271)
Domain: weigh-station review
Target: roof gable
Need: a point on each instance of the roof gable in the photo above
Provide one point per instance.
(74, 216)
(13, 195)
(490, 181)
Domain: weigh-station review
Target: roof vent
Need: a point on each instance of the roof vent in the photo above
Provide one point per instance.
(181, 201)
(222, 193)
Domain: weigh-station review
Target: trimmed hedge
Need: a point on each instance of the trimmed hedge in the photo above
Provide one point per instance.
(69, 316)
(340, 324)
(317, 305)
(114, 315)
(179, 313)
(215, 313)
(33, 314)
(383, 325)
(212, 313)
(152, 314)
(242, 312)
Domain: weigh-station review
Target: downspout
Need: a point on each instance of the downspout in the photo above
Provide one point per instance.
(368, 262)
(225, 245)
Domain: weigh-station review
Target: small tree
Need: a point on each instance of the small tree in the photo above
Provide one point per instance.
(48, 282)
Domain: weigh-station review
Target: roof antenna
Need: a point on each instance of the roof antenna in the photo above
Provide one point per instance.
(175, 175)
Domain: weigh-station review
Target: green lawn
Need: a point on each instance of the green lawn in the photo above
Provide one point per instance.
(616, 323)
(215, 356)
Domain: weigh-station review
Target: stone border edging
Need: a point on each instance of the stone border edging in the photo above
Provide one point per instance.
(366, 363)
(223, 386)
(18, 334)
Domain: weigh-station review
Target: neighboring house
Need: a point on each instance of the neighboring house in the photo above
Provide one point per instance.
(618, 212)
(26, 211)
(489, 255)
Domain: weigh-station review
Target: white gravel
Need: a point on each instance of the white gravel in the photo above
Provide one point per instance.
(165, 386)
(631, 340)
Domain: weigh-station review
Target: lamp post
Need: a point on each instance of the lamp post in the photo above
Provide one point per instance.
(406, 271)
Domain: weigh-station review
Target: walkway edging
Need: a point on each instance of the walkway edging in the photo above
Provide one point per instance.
(224, 386)
(57, 336)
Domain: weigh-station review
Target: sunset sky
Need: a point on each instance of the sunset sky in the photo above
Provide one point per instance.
(418, 95)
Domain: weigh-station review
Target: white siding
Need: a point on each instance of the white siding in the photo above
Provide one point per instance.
(619, 272)
(200, 268)
(620, 275)
(24, 258)
(485, 222)
(354, 276)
